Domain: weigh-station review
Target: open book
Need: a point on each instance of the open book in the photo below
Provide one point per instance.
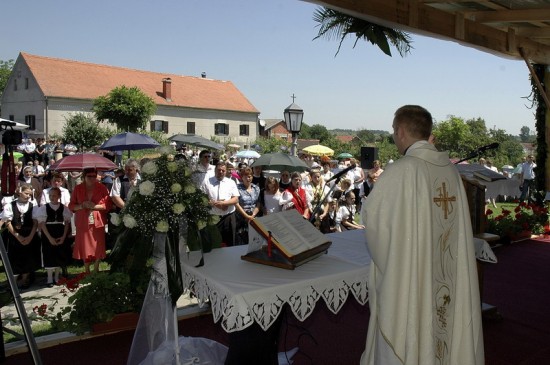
(294, 240)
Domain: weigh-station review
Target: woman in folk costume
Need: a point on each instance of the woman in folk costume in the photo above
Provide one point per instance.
(23, 242)
(90, 202)
(54, 220)
(294, 197)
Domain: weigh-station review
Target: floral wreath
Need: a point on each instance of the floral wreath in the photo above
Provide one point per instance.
(165, 198)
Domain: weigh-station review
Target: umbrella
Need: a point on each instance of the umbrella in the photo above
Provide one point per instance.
(82, 161)
(345, 155)
(233, 145)
(16, 156)
(318, 150)
(129, 141)
(247, 154)
(280, 162)
(12, 124)
(196, 140)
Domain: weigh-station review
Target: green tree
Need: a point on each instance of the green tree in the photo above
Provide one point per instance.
(453, 135)
(334, 24)
(84, 132)
(271, 145)
(128, 108)
(5, 72)
(320, 132)
(366, 136)
(525, 134)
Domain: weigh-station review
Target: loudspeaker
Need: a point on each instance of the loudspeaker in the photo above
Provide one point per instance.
(11, 137)
(368, 156)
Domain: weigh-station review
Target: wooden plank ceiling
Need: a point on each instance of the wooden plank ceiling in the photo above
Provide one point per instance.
(501, 27)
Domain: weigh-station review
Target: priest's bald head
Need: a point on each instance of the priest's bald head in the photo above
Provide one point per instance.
(411, 123)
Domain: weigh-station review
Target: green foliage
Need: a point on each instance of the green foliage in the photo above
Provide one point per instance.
(334, 24)
(98, 298)
(317, 131)
(128, 108)
(525, 135)
(540, 125)
(84, 132)
(524, 217)
(5, 72)
(271, 145)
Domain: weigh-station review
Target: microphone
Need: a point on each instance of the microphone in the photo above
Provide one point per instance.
(491, 146)
(341, 173)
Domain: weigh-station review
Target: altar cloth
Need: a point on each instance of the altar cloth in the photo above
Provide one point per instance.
(241, 292)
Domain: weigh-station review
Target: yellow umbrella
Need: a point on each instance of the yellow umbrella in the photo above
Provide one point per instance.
(318, 150)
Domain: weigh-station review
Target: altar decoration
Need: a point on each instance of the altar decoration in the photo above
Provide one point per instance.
(525, 219)
(165, 207)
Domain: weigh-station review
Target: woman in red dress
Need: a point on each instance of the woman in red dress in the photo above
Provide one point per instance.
(294, 197)
(90, 202)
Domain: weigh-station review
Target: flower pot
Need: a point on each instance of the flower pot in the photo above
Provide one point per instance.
(120, 322)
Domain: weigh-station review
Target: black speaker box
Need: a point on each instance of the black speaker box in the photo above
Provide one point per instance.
(11, 137)
(368, 156)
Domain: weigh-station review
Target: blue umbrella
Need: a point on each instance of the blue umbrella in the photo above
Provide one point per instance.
(129, 141)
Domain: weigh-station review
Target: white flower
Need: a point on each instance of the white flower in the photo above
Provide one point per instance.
(178, 208)
(147, 187)
(172, 166)
(129, 221)
(205, 200)
(201, 225)
(170, 157)
(162, 226)
(214, 219)
(164, 150)
(190, 188)
(186, 170)
(150, 168)
(175, 188)
(115, 219)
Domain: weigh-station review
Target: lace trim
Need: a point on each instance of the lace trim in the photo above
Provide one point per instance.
(236, 315)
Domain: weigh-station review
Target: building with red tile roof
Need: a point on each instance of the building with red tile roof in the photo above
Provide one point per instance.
(43, 91)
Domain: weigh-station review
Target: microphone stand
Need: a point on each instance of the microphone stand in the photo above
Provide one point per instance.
(474, 154)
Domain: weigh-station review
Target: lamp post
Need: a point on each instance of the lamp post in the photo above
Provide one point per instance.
(293, 120)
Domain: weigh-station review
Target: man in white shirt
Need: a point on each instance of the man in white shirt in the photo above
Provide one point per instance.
(29, 149)
(204, 169)
(223, 195)
(527, 178)
(124, 186)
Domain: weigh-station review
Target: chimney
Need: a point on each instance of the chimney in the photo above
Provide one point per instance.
(167, 88)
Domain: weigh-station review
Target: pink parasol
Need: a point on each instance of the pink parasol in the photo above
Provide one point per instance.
(82, 161)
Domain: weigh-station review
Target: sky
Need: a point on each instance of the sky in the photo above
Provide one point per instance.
(266, 49)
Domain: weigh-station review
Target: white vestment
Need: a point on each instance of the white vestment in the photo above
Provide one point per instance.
(423, 284)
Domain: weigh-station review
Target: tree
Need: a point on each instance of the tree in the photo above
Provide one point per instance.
(84, 132)
(128, 108)
(5, 72)
(525, 134)
(334, 24)
(318, 131)
(271, 145)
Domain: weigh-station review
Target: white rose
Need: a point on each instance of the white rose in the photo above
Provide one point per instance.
(178, 208)
(115, 219)
(162, 226)
(129, 221)
(164, 150)
(150, 168)
(205, 200)
(214, 219)
(190, 188)
(187, 171)
(146, 187)
(201, 225)
(172, 166)
(175, 188)
(170, 157)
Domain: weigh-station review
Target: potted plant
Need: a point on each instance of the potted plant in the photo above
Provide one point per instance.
(96, 298)
(524, 220)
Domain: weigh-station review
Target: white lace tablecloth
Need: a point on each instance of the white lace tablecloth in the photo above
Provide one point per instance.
(242, 292)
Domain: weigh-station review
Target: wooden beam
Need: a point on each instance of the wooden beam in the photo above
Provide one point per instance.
(437, 23)
(513, 16)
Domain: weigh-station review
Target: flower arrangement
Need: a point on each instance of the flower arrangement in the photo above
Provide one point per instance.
(524, 217)
(166, 197)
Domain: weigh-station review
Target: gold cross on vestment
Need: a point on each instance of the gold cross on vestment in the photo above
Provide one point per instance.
(444, 200)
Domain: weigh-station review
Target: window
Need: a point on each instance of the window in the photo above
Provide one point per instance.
(244, 130)
(159, 126)
(26, 82)
(190, 127)
(12, 117)
(30, 120)
(221, 128)
(14, 84)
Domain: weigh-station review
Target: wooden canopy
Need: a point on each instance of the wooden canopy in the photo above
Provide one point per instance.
(505, 28)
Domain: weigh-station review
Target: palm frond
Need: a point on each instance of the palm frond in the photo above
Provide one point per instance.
(333, 24)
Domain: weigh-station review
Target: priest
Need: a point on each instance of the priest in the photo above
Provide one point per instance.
(423, 285)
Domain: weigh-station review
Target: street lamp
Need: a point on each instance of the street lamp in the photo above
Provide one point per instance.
(293, 120)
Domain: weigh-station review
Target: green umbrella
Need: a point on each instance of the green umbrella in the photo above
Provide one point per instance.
(16, 156)
(345, 155)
